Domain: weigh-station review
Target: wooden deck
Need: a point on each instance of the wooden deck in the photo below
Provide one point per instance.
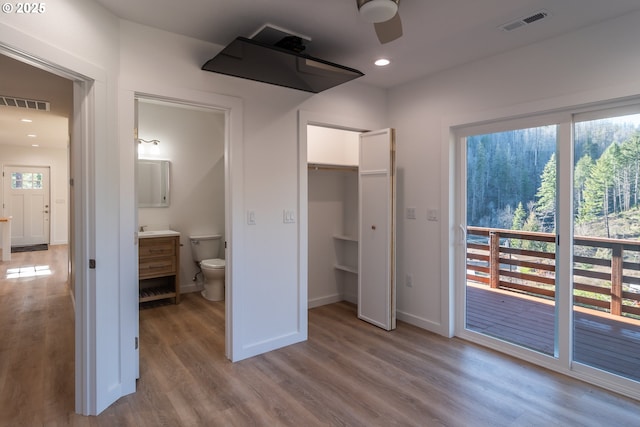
(607, 342)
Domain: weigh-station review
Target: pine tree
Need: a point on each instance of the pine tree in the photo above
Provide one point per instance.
(519, 217)
(580, 175)
(597, 188)
(546, 195)
(532, 224)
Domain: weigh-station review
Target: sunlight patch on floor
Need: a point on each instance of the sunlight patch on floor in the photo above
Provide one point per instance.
(28, 271)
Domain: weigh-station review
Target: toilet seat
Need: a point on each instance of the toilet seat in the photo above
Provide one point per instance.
(213, 264)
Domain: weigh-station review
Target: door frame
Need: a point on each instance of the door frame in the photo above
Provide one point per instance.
(89, 89)
(306, 118)
(227, 108)
(562, 120)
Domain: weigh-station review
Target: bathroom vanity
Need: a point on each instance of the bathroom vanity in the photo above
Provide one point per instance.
(159, 265)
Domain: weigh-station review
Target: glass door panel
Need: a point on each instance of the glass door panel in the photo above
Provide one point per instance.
(510, 245)
(606, 253)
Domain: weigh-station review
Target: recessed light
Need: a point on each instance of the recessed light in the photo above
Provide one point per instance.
(32, 135)
(35, 145)
(382, 62)
(26, 120)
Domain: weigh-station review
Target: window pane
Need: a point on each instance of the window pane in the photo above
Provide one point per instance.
(606, 306)
(511, 206)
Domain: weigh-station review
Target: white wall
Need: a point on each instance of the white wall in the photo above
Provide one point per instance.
(193, 140)
(269, 285)
(121, 57)
(593, 64)
(57, 160)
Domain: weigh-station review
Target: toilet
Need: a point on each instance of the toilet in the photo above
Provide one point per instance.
(205, 251)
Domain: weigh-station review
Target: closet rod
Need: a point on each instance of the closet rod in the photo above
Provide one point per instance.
(325, 167)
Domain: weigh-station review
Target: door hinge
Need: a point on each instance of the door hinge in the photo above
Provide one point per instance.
(136, 346)
(92, 263)
(71, 182)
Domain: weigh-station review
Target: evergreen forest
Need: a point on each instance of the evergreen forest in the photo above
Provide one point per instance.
(511, 178)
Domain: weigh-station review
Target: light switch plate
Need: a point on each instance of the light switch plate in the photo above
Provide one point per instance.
(411, 213)
(288, 217)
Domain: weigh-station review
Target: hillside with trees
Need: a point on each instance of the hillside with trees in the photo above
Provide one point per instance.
(511, 179)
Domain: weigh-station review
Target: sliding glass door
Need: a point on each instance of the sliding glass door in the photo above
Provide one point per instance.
(606, 252)
(549, 260)
(510, 227)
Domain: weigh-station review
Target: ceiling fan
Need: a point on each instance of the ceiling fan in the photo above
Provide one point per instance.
(383, 14)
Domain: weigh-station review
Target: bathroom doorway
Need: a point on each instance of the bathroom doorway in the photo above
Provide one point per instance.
(186, 144)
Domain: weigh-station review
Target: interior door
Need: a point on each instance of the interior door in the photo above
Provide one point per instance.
(27, 201)
(376, 257)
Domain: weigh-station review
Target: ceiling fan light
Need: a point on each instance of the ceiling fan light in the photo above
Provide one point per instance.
(376, 11)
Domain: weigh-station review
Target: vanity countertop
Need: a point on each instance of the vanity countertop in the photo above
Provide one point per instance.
(157, 233)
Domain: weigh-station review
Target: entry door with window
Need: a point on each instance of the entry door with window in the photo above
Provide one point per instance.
(26, 190)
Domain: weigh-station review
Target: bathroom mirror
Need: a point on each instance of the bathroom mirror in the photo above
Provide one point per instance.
(153, 183)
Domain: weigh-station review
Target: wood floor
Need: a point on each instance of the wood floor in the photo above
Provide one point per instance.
(610, 343)
(347, 374)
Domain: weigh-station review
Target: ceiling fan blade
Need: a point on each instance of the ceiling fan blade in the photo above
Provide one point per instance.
(390, 30)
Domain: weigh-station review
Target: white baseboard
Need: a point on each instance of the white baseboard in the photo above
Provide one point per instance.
(330, 299)
(420, 322)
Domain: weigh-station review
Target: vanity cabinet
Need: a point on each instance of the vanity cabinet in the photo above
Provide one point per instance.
(158, 268)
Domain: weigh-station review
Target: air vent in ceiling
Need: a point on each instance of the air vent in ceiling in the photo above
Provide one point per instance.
(521, 22)
(29, 104)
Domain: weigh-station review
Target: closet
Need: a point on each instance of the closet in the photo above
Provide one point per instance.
(346, 204)
(332, 156)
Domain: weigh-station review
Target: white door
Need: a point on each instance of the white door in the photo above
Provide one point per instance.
(376, 258)
(27, 201)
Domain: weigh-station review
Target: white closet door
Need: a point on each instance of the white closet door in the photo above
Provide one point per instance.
(376, 258)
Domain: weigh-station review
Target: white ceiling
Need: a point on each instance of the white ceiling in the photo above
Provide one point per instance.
(51, 129)
(48, 129)
(438, 34)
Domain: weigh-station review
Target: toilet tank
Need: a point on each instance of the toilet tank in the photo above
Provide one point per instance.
(205, 247)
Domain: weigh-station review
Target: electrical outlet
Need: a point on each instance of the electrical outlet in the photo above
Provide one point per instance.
(409, 281)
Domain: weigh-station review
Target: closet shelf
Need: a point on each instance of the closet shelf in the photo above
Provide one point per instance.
(346, 268)
(345, 237)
